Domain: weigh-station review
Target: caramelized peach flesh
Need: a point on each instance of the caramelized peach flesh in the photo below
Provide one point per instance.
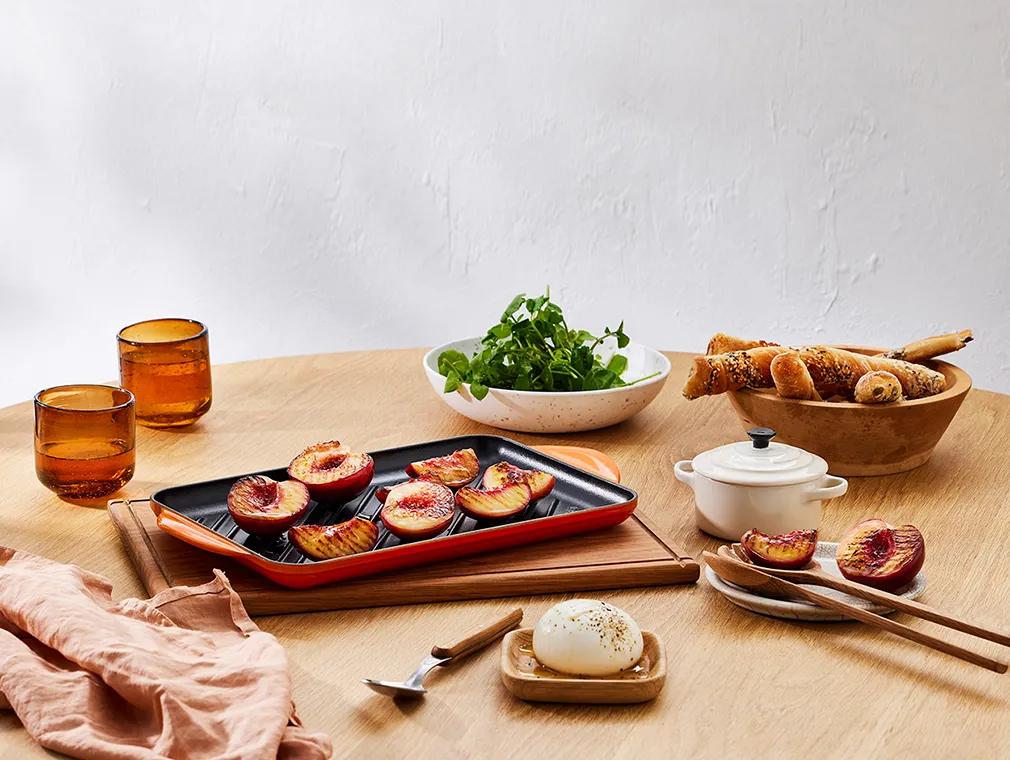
(453, 470)
(354, 536)
(788, 551)
(503, 473)
(332, 472)
(494, 504)
(262, 506)
(417, 509)
(880, 555)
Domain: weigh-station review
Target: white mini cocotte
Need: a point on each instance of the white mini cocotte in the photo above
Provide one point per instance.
(771, 487)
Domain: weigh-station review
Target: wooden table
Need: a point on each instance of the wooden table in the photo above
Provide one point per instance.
(738, 683)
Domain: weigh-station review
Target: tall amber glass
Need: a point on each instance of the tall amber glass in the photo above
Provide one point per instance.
(84, 440)
(166, 364)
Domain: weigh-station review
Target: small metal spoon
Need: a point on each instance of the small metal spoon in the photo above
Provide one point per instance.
(443, 655)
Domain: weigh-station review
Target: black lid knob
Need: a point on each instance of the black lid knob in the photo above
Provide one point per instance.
(761, 437)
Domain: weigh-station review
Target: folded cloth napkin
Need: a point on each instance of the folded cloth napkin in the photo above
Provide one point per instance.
(185, 674)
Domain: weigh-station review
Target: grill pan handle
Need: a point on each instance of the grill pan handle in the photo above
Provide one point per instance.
(197, 535)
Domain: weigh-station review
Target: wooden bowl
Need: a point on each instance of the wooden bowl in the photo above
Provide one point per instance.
(859, 439)
(542, 685)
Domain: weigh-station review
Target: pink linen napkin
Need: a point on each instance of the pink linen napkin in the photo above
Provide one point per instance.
(185, 674)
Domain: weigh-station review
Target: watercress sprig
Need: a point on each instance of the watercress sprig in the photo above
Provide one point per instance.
(531, 348)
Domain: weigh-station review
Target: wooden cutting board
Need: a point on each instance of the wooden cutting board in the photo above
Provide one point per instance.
(625, 556)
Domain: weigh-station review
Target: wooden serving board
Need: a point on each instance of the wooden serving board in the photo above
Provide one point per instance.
(625, 556)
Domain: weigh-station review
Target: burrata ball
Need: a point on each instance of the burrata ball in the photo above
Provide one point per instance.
(587, 637)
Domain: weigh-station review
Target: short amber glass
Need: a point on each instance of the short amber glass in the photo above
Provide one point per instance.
(84, 440)
(166, 364)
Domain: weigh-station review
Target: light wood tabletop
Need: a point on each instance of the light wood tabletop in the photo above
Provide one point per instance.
(737, 682)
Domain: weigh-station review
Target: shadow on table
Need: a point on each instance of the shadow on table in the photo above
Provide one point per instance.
(923, 675)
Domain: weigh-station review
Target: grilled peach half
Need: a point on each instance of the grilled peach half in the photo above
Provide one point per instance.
(881, 555)
(503, 473)
(453, 470)
(332, 472)
(417, 509)
(494, 504)
(353, 536)
(264, 507)
(788, 551)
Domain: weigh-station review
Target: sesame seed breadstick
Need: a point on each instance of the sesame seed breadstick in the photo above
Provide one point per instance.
(816, 372)
(836, 371)
(792, 378)
(711, 375)
(918, 351)
(927, 348)
(916, 380)
(721, 343)
(833, 370)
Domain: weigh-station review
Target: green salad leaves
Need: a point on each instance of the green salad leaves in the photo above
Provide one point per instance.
(532, 349)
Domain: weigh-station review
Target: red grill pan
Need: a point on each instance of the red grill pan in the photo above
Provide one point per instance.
(580, 502)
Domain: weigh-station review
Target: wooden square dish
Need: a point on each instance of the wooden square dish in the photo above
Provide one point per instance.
(526, 679)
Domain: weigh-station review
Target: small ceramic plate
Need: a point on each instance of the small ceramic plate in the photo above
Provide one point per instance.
(800, 610)
(525, 678)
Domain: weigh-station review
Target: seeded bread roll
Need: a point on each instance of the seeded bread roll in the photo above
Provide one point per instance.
(711, 375)
(792, 378)
(721, 343)
(878, 387)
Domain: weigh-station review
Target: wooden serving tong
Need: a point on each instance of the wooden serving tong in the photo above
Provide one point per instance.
(784, 584)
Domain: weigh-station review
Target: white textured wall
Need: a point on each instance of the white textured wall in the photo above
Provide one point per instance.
(322, 176)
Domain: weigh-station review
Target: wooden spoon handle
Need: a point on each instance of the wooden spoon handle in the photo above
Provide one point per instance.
(911, 607)
(479, 637)
(899, 629)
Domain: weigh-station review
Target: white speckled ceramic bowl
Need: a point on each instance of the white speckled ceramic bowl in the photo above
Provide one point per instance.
(542, 412)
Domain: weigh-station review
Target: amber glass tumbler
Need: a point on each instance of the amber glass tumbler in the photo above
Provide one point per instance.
(166, 364)
(84, 440)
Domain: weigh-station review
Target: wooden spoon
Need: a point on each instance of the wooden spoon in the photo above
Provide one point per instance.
(750, 577)
(813, 574)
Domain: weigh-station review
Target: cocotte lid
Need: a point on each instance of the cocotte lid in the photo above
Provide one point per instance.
(759, 462)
